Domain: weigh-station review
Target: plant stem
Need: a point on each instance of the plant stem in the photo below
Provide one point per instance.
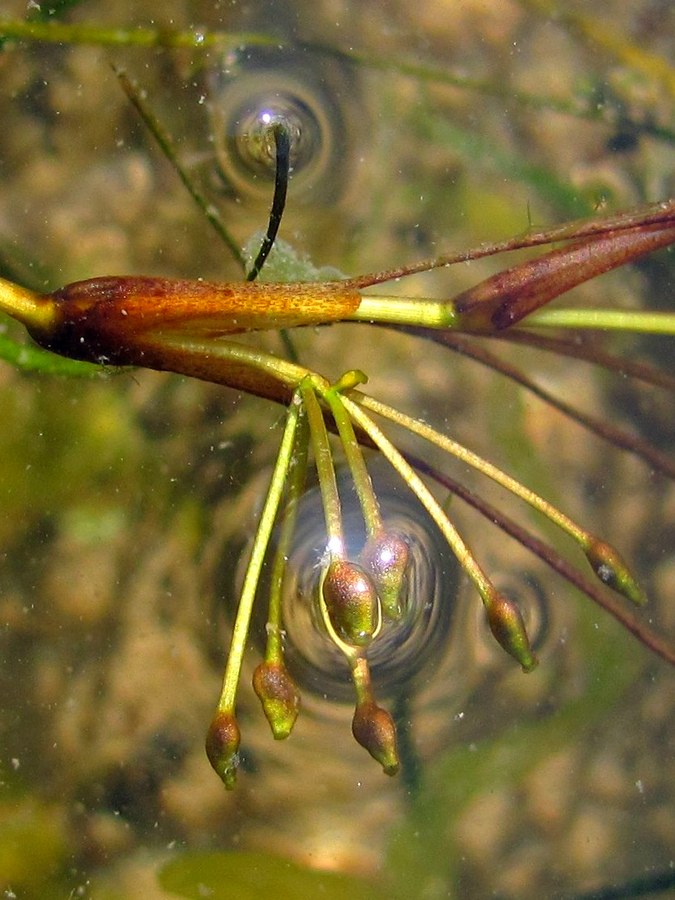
(477, 462)
(357, 466)
(261, 540)
(165, 144)
(464, 555)
(325, 469)
(632, 321)
(295, 482)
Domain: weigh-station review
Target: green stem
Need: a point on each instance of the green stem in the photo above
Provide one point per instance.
(603, 557)
(363, 686)
(216, 360)
(464, 555)
(323, 459)
(295, 482)
(632, 321)
(260, 543)
(165, 144)
(429, 313)
(477, 462)
(357, 466)
(392, 310)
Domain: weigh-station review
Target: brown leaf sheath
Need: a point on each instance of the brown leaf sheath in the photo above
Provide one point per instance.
(510, 295)
(110, 318)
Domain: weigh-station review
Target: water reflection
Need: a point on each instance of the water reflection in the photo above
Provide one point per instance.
(315, 97)
(406, 650)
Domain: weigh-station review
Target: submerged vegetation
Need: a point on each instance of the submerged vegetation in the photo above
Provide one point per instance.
(362, 581)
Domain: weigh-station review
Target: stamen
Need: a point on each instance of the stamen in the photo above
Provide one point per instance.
(605, 560)
(351, 603)
(515, 638)
(362, 481)
(325, 468)
(222, 747)
(272, 682)
(372, 726)
(385, 555)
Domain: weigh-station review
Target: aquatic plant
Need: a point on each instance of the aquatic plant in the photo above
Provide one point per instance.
(185, 327)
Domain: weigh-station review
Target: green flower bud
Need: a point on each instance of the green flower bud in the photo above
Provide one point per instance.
(222, 747)
(610, 568)
(506, 624)
(279, 696)
(385, 557)
(374, 729)
(352, 602)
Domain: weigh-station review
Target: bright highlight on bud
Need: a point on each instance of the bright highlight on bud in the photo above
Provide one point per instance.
(186, 327)
(385, 557)
(352, 602)
(610, 568)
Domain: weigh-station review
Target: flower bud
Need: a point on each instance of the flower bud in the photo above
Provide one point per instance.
(279, 696)
(351, 601)
(385, 557)
(374, 729)
(222, 747)
(506, 624)
(610, 568)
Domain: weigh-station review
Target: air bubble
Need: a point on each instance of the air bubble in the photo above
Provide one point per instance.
(406, 651)
(314, 97)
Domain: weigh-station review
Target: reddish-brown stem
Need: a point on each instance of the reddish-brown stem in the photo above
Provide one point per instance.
(109, 319)
(581, 348)
(642, 632)
(659, 214)
(604, 429)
